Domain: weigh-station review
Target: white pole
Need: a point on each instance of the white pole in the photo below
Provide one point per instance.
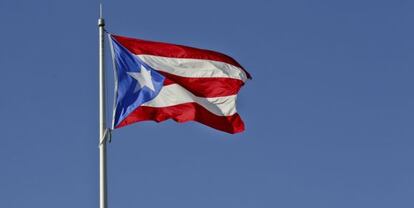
(103, 203)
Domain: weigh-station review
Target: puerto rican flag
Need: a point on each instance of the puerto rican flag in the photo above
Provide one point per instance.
(159, 81)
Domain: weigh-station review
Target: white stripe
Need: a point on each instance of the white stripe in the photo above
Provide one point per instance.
(186, 67)
(174, 94)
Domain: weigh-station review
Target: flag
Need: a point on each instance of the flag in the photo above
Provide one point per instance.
(159, 81)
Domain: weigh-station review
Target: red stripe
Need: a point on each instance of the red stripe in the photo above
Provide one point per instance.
(205, 87)
(137, 46)
(186, 112)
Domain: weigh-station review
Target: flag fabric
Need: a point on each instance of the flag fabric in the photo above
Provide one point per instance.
(159, 81)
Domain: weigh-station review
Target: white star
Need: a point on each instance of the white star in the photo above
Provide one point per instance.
(143, 78)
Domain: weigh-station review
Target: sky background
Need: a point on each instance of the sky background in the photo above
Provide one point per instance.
(329, 113)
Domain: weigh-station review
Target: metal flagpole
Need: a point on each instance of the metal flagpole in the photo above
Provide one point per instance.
(102, 120)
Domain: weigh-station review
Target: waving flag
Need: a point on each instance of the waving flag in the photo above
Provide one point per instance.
(159, 81)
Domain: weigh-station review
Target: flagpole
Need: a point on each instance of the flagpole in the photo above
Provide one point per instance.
(103, 202)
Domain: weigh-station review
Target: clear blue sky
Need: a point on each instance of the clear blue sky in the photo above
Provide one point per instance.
(329, 112)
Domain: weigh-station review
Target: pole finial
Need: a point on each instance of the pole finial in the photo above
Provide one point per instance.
(101, 22)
